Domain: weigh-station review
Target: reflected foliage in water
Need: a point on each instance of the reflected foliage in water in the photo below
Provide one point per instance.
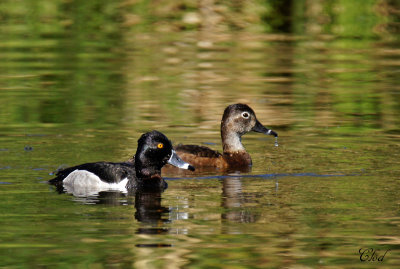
(81, 80)
(93, 63)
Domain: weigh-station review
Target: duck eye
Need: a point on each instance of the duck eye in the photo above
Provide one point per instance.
(245, 115)
(160, 145)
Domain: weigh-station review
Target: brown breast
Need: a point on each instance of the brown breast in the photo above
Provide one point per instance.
(237, 159)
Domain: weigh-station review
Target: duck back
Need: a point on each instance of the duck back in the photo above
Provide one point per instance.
(201, 156)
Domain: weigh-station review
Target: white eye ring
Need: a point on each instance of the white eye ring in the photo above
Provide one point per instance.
(245, 115)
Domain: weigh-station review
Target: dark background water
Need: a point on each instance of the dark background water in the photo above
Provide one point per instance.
(81, 80)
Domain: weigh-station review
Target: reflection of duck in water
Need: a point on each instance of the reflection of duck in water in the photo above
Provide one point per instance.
(150, 212)
(233, 201)
(143, 173)
(237, 120)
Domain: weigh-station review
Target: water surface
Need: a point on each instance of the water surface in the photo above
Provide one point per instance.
(82, 83)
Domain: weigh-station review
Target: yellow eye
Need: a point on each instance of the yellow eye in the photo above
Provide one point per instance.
(160, 145)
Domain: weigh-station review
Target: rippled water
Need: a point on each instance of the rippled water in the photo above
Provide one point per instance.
(74, 92)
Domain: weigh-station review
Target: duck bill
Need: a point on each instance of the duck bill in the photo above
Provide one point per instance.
(178, 162)
(259, 128)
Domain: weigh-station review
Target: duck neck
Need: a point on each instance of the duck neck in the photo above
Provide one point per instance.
(231, 141)
(145, 171)
(149, 178)
(234, 152)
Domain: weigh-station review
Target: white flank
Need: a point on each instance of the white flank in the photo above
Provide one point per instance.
(84, 183)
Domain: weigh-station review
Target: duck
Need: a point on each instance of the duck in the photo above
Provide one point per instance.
(142, 172)
(237, 120)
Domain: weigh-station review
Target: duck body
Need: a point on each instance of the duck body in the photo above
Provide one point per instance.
(201, 156)
(101, 176)
(237, 120)
(142, 173)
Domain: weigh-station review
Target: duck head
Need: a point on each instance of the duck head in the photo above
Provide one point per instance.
(237, 120)
(153, 152)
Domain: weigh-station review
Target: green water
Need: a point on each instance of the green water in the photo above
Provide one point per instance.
(80, 82)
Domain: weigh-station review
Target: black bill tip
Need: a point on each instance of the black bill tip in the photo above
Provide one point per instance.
(259, 128)
(270, 132)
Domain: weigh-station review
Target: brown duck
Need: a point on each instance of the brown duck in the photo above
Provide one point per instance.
(238, 119)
